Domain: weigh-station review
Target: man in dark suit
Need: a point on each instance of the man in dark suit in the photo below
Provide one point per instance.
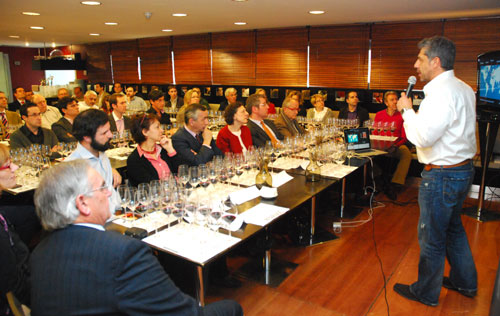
(80, 268)
(64, 127)
(262, 130)
(117, 120)
(19, 99)
(194, 142)
(352, 110)
(174, 101)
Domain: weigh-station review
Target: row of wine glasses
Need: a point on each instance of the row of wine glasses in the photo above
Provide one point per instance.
(121, 140)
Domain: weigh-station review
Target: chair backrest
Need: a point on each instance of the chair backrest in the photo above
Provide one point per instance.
(16, 307)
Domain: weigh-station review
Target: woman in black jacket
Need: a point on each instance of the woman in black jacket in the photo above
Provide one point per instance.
(155, 157)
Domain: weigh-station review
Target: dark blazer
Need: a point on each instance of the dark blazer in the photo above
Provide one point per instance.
(164, 119)
(223, 105)
(259, 137)
(84, 271)
(112, 123)
(14, 106)
(286, 126)
(179, 103)
(362, 114)
(184, 143)
(63, 130)
(140, 170)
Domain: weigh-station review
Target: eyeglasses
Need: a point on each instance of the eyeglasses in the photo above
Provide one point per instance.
(35, 114)
(104, 189)
(295, 109)
(6, 166)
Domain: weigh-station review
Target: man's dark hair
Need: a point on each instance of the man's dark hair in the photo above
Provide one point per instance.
(15, 89)
(87, 122)
(155, 95)
(231, 111)
(113, 99)
(171, 87)
(192, 112)
(442, 47)
(253, 100)
(100, 84)
(63, 103)
(349, 92)
(24, 109)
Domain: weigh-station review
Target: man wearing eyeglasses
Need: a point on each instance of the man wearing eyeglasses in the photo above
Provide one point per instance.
(32, 132)
(286, 122)
(81, 269)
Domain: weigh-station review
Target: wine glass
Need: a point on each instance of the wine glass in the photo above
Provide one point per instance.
(124, 192)
(178, 204)
(183, 174)
(133, 202)
(349, 155)
(203, 211)
(194, 176)
(143, 199)
(167, 205)
(204, 176)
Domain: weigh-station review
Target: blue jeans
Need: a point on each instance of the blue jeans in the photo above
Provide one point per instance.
(441, 233)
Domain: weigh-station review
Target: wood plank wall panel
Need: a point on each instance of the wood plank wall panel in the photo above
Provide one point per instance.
(156, 60)
(98, 63)
(192, 59)
(125, 55)
(472, 37)
(233, 58)
(394, 51)
(282, 57)
(339, 56)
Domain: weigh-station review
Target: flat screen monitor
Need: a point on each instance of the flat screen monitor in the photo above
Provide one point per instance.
(488, 79)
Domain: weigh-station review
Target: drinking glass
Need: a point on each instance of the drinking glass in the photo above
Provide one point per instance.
(194, 176)
(124, 192)
(133, 202)
(183, 174)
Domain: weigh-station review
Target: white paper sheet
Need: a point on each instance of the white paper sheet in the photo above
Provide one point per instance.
(150, 222)
(336, 171)
(262, 214)
(195, 243)
(243, 195)
(281, 178)
(286, 163)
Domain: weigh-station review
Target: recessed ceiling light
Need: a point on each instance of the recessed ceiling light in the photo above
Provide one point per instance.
(36, 27)
(179, 14)
(14, 36)
(166, 30)
(316, 12)
(27, 44)
(90, 2)
(94, 34)
(240, 0)
(240, 23)
(31, 13)
(53, 45)
(110, 23)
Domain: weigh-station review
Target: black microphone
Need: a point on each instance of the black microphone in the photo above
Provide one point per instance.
(411, 82)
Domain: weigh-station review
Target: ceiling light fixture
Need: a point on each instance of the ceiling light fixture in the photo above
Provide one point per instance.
(31, 13)
(14, 36)
(110, 23)
(94, 34)
(240, 23)
(166, 30)
(179, 14)
(316, 12)
(26, 44)
(90, 3)
(36, 27)
(240, 0)
(53, 45)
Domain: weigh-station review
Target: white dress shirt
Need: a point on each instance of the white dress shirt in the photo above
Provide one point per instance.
(50, 116)
(444, 129)
(82, 106)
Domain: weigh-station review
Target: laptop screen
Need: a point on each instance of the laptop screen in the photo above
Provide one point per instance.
(357, 138)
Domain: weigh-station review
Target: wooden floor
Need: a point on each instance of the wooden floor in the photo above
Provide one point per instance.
(343, 277)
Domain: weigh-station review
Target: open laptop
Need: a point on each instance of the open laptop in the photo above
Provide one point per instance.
(358, 139)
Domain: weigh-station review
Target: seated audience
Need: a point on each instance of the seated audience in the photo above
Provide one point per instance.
(191, 97)
(7, 118)
(286, 122)
(91, 129)
(14, 254)
(106, 107)
(157, 100)
(155, 157)
(135, 103)
(398, 149)
(78, 94)
(89, 101)
(235, 137)
(117, 88)
(19, 99)
(117, 120)
(297, 96)
(272, 107)
(100, 88)
(32, 132)
(50, 114)
(203, 101)
(64, 127)
(319, 113)
(262, 130)
(231, 94)
(61, 93)
(174, 101)
(194, 142)
(28, 96)
(352, 110)
(80, 268)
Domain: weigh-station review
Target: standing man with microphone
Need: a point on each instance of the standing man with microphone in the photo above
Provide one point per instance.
(443, 131)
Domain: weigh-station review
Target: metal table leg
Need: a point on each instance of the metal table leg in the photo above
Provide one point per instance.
(200, 286)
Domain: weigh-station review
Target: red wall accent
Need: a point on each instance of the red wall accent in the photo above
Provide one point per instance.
(22, 75)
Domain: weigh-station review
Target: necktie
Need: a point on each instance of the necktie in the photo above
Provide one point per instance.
(273, 139)
(5, 125)
(198, 137)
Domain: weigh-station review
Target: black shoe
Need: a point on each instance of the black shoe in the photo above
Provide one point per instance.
(227, 282)
(447, 284)
(404, 291)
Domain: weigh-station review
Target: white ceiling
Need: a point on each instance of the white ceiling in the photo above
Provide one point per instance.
(69, 22)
